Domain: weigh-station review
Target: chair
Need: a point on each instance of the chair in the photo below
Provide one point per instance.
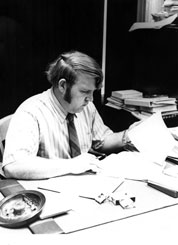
(4, 124)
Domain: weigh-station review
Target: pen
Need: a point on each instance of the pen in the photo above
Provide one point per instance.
(117, 187)
(48, 190)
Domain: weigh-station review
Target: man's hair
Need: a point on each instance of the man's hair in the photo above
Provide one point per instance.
(68, 65)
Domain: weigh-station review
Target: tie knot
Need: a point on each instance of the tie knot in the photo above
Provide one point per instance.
(70, 117)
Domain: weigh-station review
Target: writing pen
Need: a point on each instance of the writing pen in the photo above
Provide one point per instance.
(45, 189)
(118, 186)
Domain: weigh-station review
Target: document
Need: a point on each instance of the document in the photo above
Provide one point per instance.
(74, 186)
(153, 25)
(152, 138)
(129, 165)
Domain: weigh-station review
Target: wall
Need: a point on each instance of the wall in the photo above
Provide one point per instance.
(121, 15)
(33, 33)
(119, 60)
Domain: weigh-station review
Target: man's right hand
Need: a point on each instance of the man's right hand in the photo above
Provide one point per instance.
(83, 163)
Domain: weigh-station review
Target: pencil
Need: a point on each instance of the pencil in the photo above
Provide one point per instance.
(48, 190)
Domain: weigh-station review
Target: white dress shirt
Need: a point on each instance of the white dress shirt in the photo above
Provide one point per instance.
(39, 128)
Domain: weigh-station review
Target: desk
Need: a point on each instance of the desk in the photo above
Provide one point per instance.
(158, 226)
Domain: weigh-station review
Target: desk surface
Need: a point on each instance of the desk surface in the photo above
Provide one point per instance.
(158, 225)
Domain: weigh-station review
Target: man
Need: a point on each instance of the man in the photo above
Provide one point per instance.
(37, 143)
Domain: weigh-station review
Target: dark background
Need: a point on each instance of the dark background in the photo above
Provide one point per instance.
(34, 32)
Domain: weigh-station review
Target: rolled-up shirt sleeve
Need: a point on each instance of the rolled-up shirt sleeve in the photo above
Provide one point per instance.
(100, 130)
(23, 126)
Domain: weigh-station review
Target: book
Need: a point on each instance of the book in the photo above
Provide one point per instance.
(151, 102)
(159, 108)
(115, 100)
(170, 3)
(165, 114)
(129, 93)
(119, 107)
(113, 106)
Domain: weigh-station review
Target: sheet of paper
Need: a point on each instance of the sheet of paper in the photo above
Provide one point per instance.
(152, 138)
(73, 186)
(153, 25)
(87, 213)
(174, 132)
(132, 165)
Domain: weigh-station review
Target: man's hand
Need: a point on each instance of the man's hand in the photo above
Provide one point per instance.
(83, 163)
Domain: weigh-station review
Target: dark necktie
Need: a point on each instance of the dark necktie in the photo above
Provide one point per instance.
(73, 138)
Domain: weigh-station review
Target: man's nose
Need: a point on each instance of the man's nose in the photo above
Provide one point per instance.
(89, 97)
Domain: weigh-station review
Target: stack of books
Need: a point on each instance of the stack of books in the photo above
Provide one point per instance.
(171, 6)
(151, 105)
(117, 99)
(133, 100)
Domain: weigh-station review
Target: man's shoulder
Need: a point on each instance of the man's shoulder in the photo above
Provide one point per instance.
(34, 104)
(34, 100)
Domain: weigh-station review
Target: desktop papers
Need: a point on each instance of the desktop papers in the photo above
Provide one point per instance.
(129, 165)
(82, 185)
(152, 138)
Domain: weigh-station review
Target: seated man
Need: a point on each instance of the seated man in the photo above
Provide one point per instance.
(38, 144)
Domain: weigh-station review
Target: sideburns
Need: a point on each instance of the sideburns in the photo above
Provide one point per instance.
(67, 96)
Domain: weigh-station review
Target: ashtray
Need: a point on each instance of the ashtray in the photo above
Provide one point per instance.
(21, 208)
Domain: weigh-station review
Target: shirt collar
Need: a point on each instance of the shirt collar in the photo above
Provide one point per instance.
(57, 106)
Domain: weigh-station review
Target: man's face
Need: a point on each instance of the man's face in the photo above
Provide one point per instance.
(81, 93)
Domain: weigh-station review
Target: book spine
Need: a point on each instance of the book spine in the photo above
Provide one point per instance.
(149, 103)
(158, 109)
(137, 102)
(123, 95)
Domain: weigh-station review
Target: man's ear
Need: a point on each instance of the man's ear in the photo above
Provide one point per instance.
(62, 85)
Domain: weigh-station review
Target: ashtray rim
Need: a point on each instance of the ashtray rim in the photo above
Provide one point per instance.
(26, 219)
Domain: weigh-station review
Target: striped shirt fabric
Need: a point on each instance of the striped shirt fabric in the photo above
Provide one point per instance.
(39, 128)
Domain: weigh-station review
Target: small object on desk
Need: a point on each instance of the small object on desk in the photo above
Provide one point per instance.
(21, 208)
(124, 200)
(164, 189)
(99, 198)
(102, 196)
(173, 160)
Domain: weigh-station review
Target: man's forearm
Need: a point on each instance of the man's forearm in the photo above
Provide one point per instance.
(114, 142)
(36, 168)
(33, 167)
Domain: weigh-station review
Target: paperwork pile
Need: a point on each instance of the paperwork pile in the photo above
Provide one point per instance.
(155, 143)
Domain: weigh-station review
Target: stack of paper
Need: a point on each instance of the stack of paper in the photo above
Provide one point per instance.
(154, 142)
(152, 138)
